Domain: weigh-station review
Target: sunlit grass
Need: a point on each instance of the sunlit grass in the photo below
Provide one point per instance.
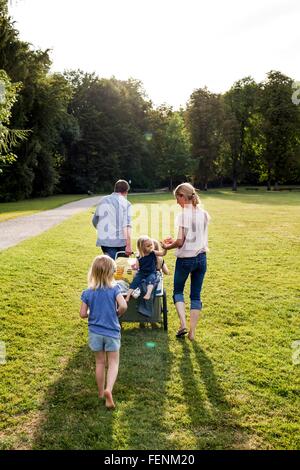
(234, 387)
(10, 210)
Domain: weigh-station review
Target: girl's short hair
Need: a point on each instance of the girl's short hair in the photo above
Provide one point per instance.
(189, 193)
(140, 244)
(101, 273)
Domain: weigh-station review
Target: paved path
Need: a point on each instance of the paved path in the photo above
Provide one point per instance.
(16, 230)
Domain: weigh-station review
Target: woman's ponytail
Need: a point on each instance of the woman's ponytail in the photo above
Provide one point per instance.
(189, 193)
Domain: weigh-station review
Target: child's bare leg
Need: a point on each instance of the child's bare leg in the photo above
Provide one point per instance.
(127, 298)
(150, 288)
(112, 373)
(100, 372)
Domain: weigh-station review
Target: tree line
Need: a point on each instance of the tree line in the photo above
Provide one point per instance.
(76, 132)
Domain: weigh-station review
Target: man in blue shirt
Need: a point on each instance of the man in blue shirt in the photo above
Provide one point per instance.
(112, 219)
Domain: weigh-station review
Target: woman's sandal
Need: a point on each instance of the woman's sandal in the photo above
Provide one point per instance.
(181, 333)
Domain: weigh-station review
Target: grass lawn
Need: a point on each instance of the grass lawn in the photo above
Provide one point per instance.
(10, 210)
(235, 387)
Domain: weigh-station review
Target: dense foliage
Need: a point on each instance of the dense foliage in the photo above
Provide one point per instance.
(76, 132)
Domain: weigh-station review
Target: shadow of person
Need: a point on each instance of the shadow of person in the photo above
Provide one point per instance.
(212, 418)
(73, 415)
(144, 373)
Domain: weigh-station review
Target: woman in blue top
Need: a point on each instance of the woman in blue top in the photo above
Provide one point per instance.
(102, 303)
(146, 265)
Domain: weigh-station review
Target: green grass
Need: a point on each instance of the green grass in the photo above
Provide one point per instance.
(10, 210)
(234, 387)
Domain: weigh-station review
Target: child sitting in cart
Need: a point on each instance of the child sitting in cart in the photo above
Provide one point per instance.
(147, 266)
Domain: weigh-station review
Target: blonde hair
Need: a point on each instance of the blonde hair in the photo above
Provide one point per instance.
(101, 273)
(189, 193)
(140, 244)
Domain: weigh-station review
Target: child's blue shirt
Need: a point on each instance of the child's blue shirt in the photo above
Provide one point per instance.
(103, 318)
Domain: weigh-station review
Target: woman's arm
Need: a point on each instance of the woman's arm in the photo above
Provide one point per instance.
(178, 242)
(83, 310)
(122, 305)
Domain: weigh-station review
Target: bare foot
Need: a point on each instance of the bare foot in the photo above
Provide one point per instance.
(147, 296)
(191, 335)
(109, 402)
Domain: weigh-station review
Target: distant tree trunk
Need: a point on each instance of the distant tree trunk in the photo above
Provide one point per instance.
(205, 186)
(269, 179)
(234, 184)
(234, 173)
(276, 186)
(171, 183)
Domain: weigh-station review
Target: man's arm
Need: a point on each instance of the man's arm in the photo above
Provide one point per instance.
(127, 236)
(95, 219)
(127, 231)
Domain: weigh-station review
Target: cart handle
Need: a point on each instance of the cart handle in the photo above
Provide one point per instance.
(122, 254)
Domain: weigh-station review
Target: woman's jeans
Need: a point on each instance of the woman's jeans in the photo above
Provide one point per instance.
(196, 267)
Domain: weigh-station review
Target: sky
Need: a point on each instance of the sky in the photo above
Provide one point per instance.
(172, 46)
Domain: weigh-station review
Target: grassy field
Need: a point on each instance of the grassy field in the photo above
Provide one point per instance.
(10, 210)
(235, 387)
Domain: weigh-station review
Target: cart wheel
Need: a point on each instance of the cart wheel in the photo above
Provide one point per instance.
(165, 311)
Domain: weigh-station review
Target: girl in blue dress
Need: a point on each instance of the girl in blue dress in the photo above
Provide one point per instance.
(102, 304)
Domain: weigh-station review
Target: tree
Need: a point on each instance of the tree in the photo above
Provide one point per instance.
(112, 122)
(239, 105)
(53, 94)
(3, 7)
(155, 139)
(28, 68)
(204, 120)
(176, 152)
(9, 138)
(280, 127)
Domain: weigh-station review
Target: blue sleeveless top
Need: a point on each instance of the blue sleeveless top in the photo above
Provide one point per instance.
(147, 264)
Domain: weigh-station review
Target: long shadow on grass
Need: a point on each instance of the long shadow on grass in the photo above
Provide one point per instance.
(212, 420)
(74, 417)
(144, 372)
